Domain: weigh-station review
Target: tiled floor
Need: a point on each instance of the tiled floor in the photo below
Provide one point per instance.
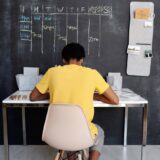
(109, 152)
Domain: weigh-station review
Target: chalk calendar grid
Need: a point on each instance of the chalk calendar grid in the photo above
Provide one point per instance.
(45, 17)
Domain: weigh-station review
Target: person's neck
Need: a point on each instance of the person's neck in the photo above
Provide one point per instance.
(74, 62)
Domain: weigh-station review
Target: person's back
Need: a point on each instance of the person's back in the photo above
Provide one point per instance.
(74, 84)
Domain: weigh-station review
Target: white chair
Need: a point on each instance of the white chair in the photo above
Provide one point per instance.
(66, 129)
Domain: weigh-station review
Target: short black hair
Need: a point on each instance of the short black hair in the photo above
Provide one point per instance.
(73, 51)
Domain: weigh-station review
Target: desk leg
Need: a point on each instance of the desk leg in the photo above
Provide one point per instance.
(145, 115)
(5, 132)
(144, 132)
(24, 125)
(125, 126)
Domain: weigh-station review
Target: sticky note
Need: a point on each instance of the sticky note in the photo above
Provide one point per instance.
(133, 49)
(142, 13)
(148, 24)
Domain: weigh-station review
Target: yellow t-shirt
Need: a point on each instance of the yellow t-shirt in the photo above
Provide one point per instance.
(73, 84)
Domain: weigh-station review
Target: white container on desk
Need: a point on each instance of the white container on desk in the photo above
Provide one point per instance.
(115, 81)
(27, 82)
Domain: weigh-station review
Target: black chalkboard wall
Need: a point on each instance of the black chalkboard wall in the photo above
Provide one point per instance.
(103, 30)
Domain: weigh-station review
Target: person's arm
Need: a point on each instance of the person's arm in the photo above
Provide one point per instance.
(37, 96)
(40, 92)
(109, 96)
(106, 94)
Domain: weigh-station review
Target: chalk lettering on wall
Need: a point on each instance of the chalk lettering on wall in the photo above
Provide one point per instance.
(25, 26)
(37, 35)
(73, 28)
(101, 10)
(25, 36)
(44, 17)
(61, 38)
(49, 28)
(23, 18)
(37, 17)
(93, 39)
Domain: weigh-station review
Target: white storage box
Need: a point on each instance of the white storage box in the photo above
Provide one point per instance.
(27, 82)
(115, 80)
(31, 71)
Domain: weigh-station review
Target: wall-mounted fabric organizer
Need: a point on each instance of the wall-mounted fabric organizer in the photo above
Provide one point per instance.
(140, 38)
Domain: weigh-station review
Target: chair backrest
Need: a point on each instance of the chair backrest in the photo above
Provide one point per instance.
(66, 128)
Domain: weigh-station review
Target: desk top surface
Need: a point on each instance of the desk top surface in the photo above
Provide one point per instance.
(126, 97)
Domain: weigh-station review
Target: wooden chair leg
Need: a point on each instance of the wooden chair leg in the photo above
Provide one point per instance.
(62, 154)
(59, 154)
(79, 156)
(86, 154)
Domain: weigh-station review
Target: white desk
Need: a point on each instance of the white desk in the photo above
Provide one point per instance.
(21, 99)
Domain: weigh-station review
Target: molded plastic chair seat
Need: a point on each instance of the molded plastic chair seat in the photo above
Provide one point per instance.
(66, 128)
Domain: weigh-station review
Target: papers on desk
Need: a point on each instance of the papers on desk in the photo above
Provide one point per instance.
(28, 79)
(127, 95)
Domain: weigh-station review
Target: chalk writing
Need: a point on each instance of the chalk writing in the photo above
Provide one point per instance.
(37, 17)
(106, 10)
(61, 37)
(36, 8)
(25, 26)
(44, 17)
(92, 39)
(49, 28)
(92, 10)
(24, 18)
(47, 18)
(25, 35)
(37, 35)
(72, 28)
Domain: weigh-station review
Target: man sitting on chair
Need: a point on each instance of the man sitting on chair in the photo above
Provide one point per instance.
(73, 83)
